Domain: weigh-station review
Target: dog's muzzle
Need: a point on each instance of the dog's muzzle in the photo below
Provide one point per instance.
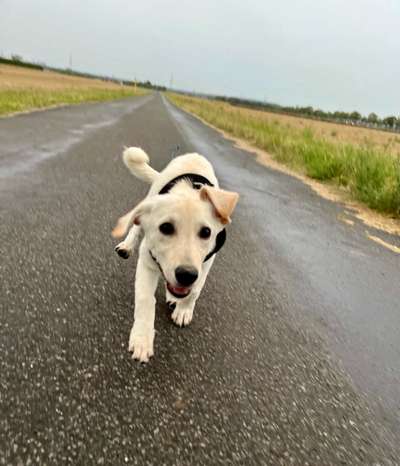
(176, 291)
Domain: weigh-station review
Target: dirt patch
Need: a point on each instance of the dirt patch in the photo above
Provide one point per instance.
(345, 220)
(380, 241)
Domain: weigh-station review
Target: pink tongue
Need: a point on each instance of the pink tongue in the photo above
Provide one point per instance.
(179, 289)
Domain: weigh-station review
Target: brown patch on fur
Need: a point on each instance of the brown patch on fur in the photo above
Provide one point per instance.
(224, 202)
(123, 224)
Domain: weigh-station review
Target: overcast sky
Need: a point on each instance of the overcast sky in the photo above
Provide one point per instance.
(331, 54)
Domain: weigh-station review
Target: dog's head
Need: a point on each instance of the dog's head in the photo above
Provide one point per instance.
(180, 230)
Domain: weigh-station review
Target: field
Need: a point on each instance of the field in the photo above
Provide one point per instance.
(24, 89)
(365, 163)
(335, 132)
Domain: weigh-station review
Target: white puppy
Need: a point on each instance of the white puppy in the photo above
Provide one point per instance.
(183, 219)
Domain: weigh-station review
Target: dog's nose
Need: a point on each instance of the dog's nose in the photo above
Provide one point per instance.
(186, 275)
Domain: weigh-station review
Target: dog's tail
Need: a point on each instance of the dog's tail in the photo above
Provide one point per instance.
(137, 161)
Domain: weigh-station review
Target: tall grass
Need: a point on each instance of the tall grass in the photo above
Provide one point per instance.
(371, 175)
(17, 100)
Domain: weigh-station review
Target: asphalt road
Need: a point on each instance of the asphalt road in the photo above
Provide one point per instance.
(292, 357)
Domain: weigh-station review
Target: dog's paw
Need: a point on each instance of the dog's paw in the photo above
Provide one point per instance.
(141, 344)
(182, 315)
(122, 250)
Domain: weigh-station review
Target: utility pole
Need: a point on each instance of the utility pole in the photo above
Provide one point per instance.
(70, 61)
(171, 81)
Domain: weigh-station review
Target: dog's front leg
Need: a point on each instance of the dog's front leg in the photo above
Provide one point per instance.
(142, 334)
(125, 248)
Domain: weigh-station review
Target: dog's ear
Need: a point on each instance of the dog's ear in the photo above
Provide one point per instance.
(132, 217)
(224, 202)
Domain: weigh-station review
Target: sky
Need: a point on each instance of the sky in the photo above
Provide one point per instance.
(330, 54)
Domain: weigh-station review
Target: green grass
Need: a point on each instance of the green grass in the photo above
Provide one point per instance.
(370, 175)
(12, 101)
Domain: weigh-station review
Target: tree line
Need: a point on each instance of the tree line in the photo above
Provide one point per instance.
(372, 120)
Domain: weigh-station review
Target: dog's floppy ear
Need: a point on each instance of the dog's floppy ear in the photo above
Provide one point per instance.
(133, 216)
(224, 202)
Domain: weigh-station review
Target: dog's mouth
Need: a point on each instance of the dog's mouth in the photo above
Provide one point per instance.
(179, 291)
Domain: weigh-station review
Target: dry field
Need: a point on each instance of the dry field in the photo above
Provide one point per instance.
(23, 89)
(388, 142)
(15, 77)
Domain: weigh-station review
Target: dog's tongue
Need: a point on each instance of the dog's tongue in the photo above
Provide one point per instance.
(180, 290)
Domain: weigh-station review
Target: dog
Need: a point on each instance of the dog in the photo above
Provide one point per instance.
(183, 220)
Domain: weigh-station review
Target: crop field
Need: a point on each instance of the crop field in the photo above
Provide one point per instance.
(335, 132)
(24, 89)
(366, 163)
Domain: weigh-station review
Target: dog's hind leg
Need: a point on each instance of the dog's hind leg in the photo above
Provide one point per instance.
(182, 313)
(125, 248)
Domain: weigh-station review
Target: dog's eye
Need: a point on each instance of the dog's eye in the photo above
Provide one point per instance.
(167, 228)
(205, 233)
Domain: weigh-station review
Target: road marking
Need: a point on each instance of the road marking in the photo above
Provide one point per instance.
(380, 241)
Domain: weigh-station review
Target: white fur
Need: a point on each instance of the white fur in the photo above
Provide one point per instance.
(137, 161)
(188, 211)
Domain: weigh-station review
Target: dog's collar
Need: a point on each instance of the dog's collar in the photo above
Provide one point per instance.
(197, 182)
(219, 242)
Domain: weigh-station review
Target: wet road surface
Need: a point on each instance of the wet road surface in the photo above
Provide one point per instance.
(293, 353)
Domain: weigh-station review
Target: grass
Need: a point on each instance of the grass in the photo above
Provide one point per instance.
(25, 89)
(368, 172)
(18, 100)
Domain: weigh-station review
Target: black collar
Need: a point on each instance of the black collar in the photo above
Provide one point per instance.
(197, 182)
(219, 242)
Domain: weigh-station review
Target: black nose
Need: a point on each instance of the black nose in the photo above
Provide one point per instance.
(186, 275)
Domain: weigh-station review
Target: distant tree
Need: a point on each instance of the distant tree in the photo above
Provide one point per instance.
(373, 118)
(390, 121)
(355, 116)
(338, 115)
(16, 57)
(307, 110)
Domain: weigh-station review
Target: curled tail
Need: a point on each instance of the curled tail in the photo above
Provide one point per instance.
(137, 161)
